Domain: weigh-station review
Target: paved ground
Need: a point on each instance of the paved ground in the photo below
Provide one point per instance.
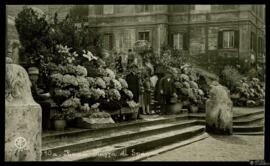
(217, 148)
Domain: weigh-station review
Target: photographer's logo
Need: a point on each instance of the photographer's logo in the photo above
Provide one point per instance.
(20, 143)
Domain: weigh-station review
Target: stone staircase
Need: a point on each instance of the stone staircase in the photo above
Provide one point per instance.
(123, 141)
(130, 141)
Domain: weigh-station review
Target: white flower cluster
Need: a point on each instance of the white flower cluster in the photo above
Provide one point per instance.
(110, 73)
(128, 93)
(88, 55)
(97, 93)
(116, 84)
(114, 94)
(100, 83)
(123, 83)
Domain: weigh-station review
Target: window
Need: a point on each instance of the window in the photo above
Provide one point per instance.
(260, 45)
(253, 41)
(228, 39)
(143, 8)
(144, 36)
(178, 41)
(108, 9)
(108, 41)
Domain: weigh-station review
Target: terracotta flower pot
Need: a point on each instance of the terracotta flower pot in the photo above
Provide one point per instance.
(60, 124)
(194, 108)
(174, 108)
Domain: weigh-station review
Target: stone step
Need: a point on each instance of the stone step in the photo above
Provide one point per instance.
(241, 129)
(249, 121)
(59, 136)
(133, 146)
(247, 115)
(249, 133)
(248, 129)
(79, 144)
(166, 148)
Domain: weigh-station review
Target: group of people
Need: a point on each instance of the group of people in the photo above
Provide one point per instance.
(142, 82)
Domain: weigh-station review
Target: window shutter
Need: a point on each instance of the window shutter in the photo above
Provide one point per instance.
(220, 39)
(171, 40)
(185, 41)
(236, 39)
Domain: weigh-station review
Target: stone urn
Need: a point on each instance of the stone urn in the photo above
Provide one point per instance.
(219, 115)
(23, 117)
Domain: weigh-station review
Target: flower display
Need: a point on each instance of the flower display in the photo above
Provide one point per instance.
(71, 102)
(57, 79)
(100, 83)
(123, 83)
(107, 80)
(97, 93)
(69, 80)
(128, 93)
(82, 81)
(88, 55)
(114, 94)
(110, 73)
(91, 81)
(116, 84)
(85, 92)
(62, 93)
(80, 70)
(132, 104)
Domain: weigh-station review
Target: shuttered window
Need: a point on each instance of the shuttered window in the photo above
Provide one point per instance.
(228, 39)
(253, 42)
(179, 41)
(144, 36)
(108, 41)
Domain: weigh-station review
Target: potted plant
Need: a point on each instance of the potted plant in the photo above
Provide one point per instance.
(59, 121)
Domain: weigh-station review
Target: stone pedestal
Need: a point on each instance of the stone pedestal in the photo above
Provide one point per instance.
(22, 117)
(219, 113)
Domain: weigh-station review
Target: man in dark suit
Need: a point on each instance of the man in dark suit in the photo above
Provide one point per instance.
(166, 90)
(133, 82)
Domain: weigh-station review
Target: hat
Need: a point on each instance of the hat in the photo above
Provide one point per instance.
(33, 70)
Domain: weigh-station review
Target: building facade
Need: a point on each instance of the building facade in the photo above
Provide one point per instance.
(210, 34)
(213, 34)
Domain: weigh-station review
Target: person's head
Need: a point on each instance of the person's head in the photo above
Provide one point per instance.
(33, 73)
(129, 50)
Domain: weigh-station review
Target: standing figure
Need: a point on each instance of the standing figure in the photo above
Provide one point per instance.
(147, 93)
(130, 58)
(119, 66)
(166, 90)
(133, 82)
(40, 97)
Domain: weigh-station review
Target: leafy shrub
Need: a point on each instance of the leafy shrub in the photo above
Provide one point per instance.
(230, 77)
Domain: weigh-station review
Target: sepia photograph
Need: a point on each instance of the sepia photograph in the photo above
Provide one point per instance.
(135, 82)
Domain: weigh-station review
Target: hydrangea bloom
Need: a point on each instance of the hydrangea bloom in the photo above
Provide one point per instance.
(91, 81)
(82, 81)
(80, 70)
(85, 92)
(57, 79)
(100, 83)
(114, 94)
(61, 92)
(116, 84)
(107, 80)
(97, 93)
(110, 73)
(132, 104)
(123, 83)
(70, 80)
(71, 102)
(128, 93)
